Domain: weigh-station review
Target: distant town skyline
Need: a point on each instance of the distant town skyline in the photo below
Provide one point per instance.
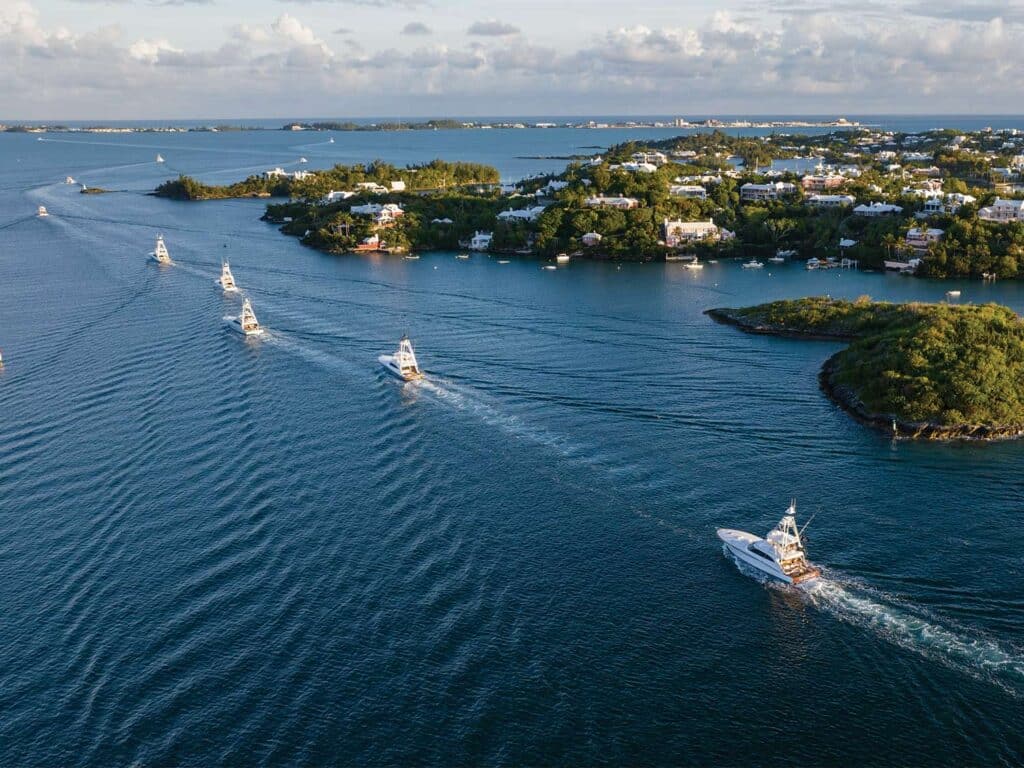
(180, 59)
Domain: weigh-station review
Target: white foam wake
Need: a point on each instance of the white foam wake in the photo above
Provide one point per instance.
(972, 654)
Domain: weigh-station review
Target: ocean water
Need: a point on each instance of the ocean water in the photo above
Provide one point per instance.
(220, 551)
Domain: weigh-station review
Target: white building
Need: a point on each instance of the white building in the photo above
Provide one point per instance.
(1003, 210)
(551, 187)
(623, 203)
(878, 209)
(336, 196)
(382, 214)
(919, 238)
(650, 158)
(522, 214)
(372, 187)
(480, 241)
(830, 201)
(692, 191)
(281, 173)
(679, 232)
(638, 167)
(398, 186)
(916, 157)
(591, 239)
(770, 191)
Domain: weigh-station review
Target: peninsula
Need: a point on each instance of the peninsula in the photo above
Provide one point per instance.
(918, 371)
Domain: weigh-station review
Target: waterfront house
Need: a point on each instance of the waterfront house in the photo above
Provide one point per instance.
(591, 239)
(336, 196)
(623, 203)
(381, 214)
(770, 191)
(678, 233)
(691, 191)
(919, 238)
(371, 243)
(1003, 210)
(877, 209)
(830, 201)
(480, 241)
(821, 182)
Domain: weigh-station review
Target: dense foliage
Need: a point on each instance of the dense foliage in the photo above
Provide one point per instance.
(941, 363)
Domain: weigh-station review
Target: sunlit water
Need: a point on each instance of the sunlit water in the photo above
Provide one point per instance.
(216, 550)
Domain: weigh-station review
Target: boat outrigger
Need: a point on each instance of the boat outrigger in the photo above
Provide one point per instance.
(227, 280)
(403, 363)
(246, 322)
(160, 254)
(779, 554)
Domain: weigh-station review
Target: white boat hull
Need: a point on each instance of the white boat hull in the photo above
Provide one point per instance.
(388, 363)
(235, 325)
(738, 545)
(228, 289)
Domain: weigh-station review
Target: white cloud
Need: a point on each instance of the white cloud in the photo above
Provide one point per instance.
(492, 28)
(150, 51)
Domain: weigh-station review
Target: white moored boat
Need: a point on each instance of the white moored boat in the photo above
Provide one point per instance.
(246, 322)
(693, 265)
(562, 258)
(753, 264)
(403, 363)
(779, 554)
(41, 213)
(227, 280)
(160, 254)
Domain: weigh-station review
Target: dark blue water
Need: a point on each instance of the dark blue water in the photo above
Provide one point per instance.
(220, 551)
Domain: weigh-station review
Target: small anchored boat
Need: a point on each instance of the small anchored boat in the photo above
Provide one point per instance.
(159, 158)
(246, 322)
(503, 261)
(952, 294)
(462, 256)
(549, 266)
(813, 263)
(42, 213)
(562, 258)
(403, 363)
(753, 264)
(160, 254)
(693, 265)
(330, 140)
(780, 554)
(227, 280)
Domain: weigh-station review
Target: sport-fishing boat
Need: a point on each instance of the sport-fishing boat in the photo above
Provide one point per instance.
(227, 280)
(779, 554)
(69, 180)
(753, 264)
(462, 256)
(246, 322)
(403, 363)
(562, 258)
(693, 265)
(159, 158)
(160, 254)
(42, 213)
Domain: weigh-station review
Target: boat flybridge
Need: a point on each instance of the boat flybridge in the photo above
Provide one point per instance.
(779, 554)
(246, 322)
(403, 363)
(42, 213)
(227, 280)
(160, 254)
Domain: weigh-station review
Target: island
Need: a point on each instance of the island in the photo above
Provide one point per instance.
(917, 371)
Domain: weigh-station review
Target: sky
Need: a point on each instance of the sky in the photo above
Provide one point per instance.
(218, 59)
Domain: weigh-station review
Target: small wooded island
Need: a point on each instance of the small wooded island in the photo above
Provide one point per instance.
(929, 371)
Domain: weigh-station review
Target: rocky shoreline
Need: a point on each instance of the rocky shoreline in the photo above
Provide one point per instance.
(847, 398)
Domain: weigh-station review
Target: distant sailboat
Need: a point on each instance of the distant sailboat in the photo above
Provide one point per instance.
(69, 180)
(160, 254)
(159, 158)
(330, 140)
(227, 280)
(303, 160)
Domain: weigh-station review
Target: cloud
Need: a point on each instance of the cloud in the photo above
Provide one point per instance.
(416, 28)
(492, 28)
(342, 31)
(410, 4)
(150, 51)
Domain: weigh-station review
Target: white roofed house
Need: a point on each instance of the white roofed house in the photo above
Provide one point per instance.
(1003, 210)
(398, 186)
(480, 241)
(371, 187)
(677, 233)
(591, 239)
(919, 238)
(830, 201)
(624, 203)
(877, 209)
(770, 191)
(381, 214)
(522, 214)
(692, 191)
(336, 196)
(639, 167)
(650, 158)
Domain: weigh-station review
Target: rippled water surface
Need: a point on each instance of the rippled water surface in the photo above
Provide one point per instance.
(224, 551)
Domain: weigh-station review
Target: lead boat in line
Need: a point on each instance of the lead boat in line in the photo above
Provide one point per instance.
(246, 322)
(403, 363)
(160, 254)
(227, 280)
(779, 554)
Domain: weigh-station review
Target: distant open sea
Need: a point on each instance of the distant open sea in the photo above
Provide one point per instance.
(219, 551)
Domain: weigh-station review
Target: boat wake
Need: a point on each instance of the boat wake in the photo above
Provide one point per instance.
(955, 648)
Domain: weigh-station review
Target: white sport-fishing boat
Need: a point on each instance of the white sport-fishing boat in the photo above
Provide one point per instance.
(246, 322)
(42, 213)
(462, 256)
(780, 554)
(160, 254)
(159, 158)
(562, 258)
(753, 264)
(227, 280)
(403, 363)
(69, 180)
(693, 265)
